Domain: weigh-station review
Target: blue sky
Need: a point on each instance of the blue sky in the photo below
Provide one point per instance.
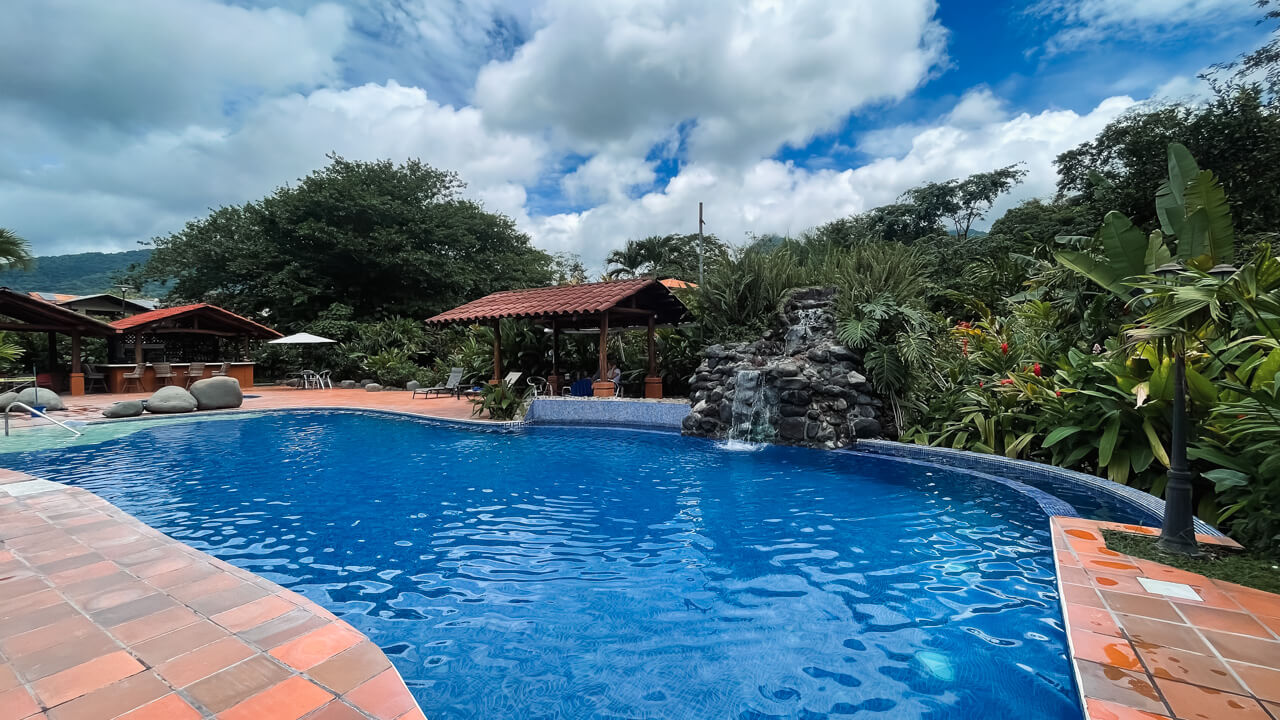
(589, 123)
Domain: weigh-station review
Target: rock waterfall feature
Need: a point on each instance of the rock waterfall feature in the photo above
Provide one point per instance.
(795, 386)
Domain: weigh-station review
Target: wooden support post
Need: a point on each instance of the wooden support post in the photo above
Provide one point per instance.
(77, 377)
(554, 381)
(603, 387)
(497, 352)
(653, 383)
(137, 348)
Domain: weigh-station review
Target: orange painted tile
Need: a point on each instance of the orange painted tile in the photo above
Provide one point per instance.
(337, 710)
(1081, 595)
(1191, 702)
(1262, 682)
(384, 697)
(1224, 620)
(1073, 575)
(1166, 634)
(289, 700)
(317, 646)
(237, 683)
(1256, 602)
(169, 707)
(177, 642)
(86, 677)
(87, 572)
(199, 664)
(1188, 667)
(1103, 710)
(1243, 648)
(16, 704)
(1116, 566)
(1117, 582)
(8, 679)
(204, 587)
(346, 670)
(253, 614)
(67, 630)
(1148, 606)
(414, 714)
(113, 700)
(1104, 649)
(155, 624)
(1123, 687)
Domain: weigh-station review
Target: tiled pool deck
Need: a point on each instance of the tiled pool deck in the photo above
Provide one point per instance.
(1143, 655)
(103, 617)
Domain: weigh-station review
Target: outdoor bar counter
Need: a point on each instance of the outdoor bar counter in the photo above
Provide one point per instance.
(241, 371)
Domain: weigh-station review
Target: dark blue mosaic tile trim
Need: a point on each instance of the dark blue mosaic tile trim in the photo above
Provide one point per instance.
(606, 411)
(1092, 497)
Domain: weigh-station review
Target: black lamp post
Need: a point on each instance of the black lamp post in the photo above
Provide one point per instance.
(1178, 535)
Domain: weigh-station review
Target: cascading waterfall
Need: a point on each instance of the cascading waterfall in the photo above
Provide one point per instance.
(752, 409)
(803, 329)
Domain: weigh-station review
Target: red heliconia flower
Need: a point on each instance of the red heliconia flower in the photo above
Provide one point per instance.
(1004, 348)
(1036, 369)
(1007, 381)
(1058, 393)
(980, 383)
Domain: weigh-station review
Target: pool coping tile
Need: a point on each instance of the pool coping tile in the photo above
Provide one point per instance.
(102, 614)
(1196, 660)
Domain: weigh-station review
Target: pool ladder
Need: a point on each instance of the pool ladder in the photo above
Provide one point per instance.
(34, 411)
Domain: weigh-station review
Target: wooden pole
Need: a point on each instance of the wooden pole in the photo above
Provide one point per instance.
(75, 353)
(653, 348)
(497, 351)
(604, 346)
(137, 348)
(555, 347)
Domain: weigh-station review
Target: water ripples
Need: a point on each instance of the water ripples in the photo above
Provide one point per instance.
(581, 573)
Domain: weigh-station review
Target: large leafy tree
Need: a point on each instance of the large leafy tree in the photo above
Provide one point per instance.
(1237, 134)
(383, 239)
(14, 252)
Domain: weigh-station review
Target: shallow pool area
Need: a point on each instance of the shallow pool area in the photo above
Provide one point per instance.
(607, 573)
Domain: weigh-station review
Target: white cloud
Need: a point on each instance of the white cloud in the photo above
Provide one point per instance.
(110, 197)
(773, 197)
(1086, 22)
(147, 63)
(750, 76)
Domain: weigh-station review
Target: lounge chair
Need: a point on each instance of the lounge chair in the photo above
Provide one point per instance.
(450, 386)
(511, 379)
(222, 371)
(136, 377)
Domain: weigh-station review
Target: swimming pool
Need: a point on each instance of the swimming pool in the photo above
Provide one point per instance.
(597, 573)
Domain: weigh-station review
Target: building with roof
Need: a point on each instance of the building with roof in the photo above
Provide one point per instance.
(640, 303)
(101, 305)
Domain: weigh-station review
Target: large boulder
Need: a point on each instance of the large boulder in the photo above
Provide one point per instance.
(171, 399)
(35, 397)
(217, 393)
(412, 385)
(373, 387)
(7, 398)
(123, 409)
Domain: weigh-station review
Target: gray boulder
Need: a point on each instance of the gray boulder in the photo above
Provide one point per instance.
(7, 398)
(366, 381)
(123, 409)
(412, 385)
(217, 393)
(35, 397)
(348, 384)
(171, 399)
(373, 387)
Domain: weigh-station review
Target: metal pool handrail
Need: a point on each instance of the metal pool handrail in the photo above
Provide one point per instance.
(34, 411)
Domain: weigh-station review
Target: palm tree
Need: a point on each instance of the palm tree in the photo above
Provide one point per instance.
(14, 252)
(657, 256)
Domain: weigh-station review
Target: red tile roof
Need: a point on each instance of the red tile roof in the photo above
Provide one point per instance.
(585, 298)
(673, 283)
(148, 318)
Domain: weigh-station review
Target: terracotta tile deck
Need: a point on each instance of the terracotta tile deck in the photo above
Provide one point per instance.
(89, 407)
(1143, 655)
(102, 617)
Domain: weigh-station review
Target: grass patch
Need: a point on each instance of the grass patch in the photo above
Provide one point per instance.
(1241, 568)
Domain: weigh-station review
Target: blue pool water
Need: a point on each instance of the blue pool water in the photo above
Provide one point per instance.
(591, 573)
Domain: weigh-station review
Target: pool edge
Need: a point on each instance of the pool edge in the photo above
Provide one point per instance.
(71, 554)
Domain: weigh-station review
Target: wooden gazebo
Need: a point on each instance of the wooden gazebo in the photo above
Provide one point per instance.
(200, 332)
(642, 303)
(19, 312)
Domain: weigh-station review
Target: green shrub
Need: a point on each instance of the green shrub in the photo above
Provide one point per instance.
(500, 400)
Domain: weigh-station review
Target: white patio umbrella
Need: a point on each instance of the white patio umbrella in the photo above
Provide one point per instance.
(300, 339)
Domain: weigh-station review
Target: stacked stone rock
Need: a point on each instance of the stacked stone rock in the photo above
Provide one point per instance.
(817, 393)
